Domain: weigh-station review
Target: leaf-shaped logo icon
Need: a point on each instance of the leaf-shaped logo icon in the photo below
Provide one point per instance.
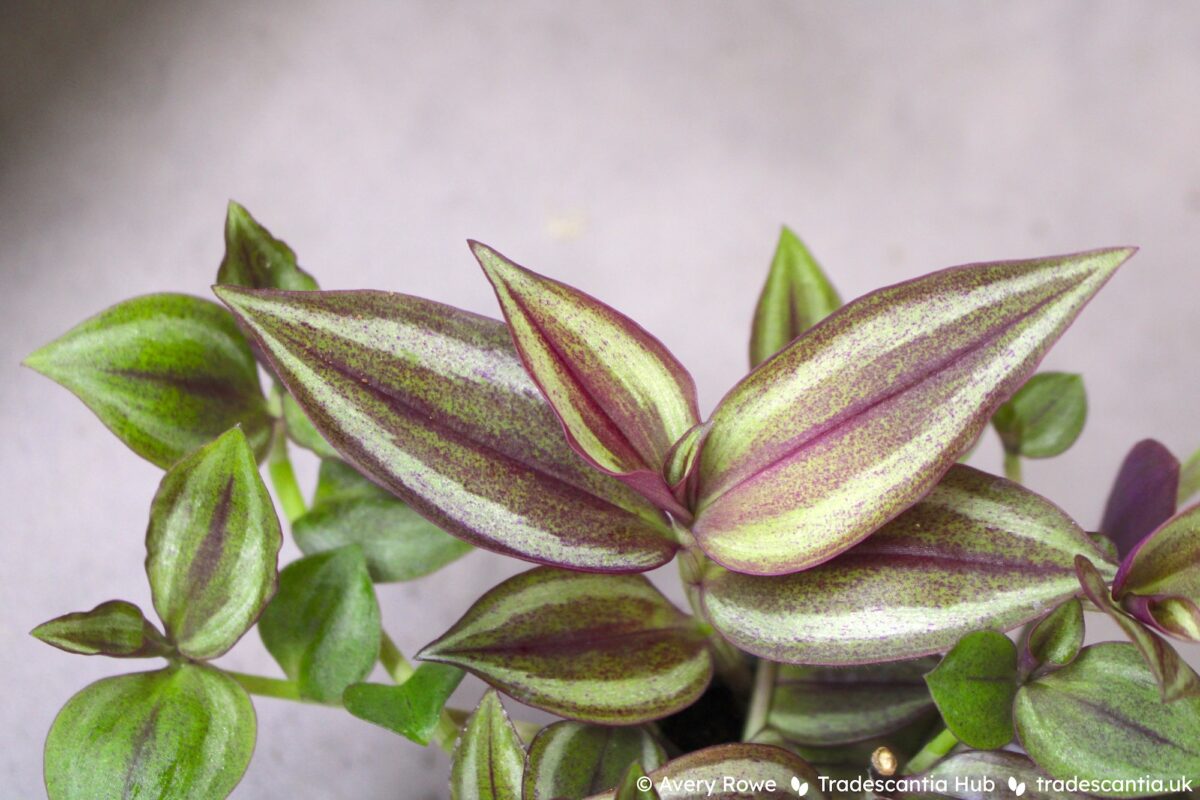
(1017, 787)
(800, 787)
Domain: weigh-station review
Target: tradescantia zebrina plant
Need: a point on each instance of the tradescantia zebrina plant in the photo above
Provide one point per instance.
(849, 583)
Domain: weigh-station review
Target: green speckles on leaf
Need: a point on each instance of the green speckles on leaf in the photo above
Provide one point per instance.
(489, 760)
(796, 296)
(256, 259)
(1159, 582)
(166, 373)
(571, 759)
(974, 688)
(212, 547)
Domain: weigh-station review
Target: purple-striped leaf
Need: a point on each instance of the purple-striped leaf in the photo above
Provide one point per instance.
(116, 628)
(434, 404)
(1142, 496)
(489, 759)
(1159, 581)
(978, 552)
(623, 399)
(858, 418)
(1175, 678)
(571, 759)
(608, 649)
(734, 771)
(212, 547)
(255, 258)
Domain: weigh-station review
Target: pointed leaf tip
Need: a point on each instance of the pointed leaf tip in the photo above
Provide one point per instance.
(796, 296)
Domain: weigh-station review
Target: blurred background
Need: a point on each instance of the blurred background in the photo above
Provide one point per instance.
(644, 152)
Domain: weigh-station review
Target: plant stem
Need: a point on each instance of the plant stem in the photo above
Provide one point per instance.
(931, 753)
(278, 688)
(760, 699)
(394, 661)
(283, 477)
(1012, 466)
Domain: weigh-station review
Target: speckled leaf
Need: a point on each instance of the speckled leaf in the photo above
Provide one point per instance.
(115, 628)
(1175, 678)
(636, 785)
(1045, 416)
(1189, 479)
(323, 624)
(796, 296)
(622, 397)
(859, 418)
(1142, 496)
(166, 373)
(734, 772)
(1159, 581)
(489, 758)
(1057, 637)
(831, 705)
(978, 552)
(571, 759)
(1100, 717)
(433, 404)
(212, 547)
(964, 775)
(597, 648)
(411, 709)
(301, 430)
(255, 258)
(974, 688)
(185, 733)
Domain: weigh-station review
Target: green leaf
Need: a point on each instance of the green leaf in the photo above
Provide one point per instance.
(185, 732)
(1057, 637)
(1175, 678)
(212, 547)
(489, 759)
(115, 628)
(978, 552)
(631, 785)
(597, 648)
(860, 417)
(255, 258)
(1044, 417)
(398, 543)
(796, 296)
(1100, 718)
(166, 373)
(570, 759)
(301, 430)
(732, 771)
(323, 624)
(1159, 581)
(1189, 479)
(337, 481)
(974, 688)
(623, 399)
(827, 706)
(411, 709)
(964, 776)
(434, 405)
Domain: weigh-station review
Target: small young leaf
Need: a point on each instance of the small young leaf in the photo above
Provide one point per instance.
(1175, 678)
(411, 709)
(433, 404)
(1044, 417)
(796, 296)
(185, 732)
(212, 547)
(338, 481)
(1142, 496)
(978, 552)
(756, 770)
(974, 688)
(827, 706)
(597, 648)
(255, 258)
(1189, 479)
(115, 628)
(622, 397)
(636, 785)
(323, 624)
(570, 759)
(1100, 718)
(1159, 581)
(166, 373)
(1057, 637)
(860, 417)
(301, 430)
(489, 759)
(398, 543)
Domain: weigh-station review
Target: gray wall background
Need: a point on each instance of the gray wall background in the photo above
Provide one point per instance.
(644, 152)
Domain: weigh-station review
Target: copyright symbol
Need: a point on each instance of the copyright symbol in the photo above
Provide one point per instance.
(644, 784)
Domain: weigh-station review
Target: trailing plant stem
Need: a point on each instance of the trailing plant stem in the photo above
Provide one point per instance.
(283, 477)
(760, 699)
(278, 688)
(934, 751)
(1012, 466)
